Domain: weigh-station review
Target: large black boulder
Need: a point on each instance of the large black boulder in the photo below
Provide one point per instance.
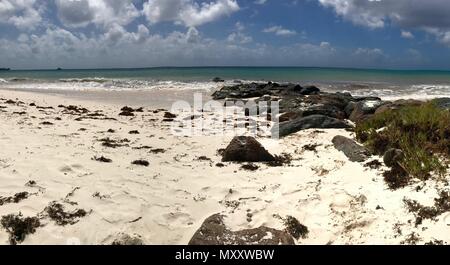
(214, 232)
(246, 149)
(326, 110)
(309, 122)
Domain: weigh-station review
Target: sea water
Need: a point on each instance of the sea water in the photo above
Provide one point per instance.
(360, 82)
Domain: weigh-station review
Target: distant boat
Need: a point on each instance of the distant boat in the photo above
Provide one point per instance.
(5, 69)
(58, 69)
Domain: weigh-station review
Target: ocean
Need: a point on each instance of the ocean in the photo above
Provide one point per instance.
(383, 83)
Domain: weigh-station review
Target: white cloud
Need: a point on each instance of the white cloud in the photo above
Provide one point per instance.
(188, 12)
(430, 16)
(368, 56)
(23, 14)
(59, 47)
(260, 2)
(280, 31)
(238, 36)
(105, 13)
(407, 34)
(359, 12)
(405, 13)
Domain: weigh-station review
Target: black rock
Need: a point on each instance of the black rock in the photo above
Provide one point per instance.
(218, 80)
(442, 103)
(294, 87)
(214, 232)
(363, 109)
(309, 122)
(310, 90)
(169, 115)
(326, 110)
(354, 151)
(246, 149)
(393, 156)
(288, 116)
(397, 105)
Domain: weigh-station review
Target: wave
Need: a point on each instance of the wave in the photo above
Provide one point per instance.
(3, 80)
(18, 79)
(393, 92)
(97, 83)
(85, 80)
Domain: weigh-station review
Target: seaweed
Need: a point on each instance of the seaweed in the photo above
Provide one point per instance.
(441, 205)
(250, 167)
(144, 163)
(280, 160)
(57, 213)
(295, 228)
(102, 159)
(374, 164)
(18, 197)
(19, 227)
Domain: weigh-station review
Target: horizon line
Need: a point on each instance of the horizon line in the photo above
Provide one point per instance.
(193, 67)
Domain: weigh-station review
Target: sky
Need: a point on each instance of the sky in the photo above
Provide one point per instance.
(390, 34)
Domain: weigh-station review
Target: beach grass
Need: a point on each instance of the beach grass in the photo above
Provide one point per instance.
(421, 132)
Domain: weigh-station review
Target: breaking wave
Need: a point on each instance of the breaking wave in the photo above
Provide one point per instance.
(105, 84)
(393, 92)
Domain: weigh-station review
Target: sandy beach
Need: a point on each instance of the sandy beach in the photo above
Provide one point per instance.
(81, 160)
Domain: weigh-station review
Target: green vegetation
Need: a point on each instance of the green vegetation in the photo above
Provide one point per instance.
(421, 132)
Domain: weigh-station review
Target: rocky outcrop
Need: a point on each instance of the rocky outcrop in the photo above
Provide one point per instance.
(246, 149)
(288, 116)
(309, 122)
(214, 232)
(362, 110)
(397, 104)
(309, 90)
(253, 90)
(326, 110)
(354, 151)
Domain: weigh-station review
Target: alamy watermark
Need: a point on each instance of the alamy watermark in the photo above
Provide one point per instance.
(231, 117)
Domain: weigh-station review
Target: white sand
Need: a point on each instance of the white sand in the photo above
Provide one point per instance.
(336, 199)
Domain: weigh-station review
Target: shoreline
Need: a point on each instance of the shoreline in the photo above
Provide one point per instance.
(341, 202)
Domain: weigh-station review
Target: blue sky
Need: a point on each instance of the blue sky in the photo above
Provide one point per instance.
(403, 34)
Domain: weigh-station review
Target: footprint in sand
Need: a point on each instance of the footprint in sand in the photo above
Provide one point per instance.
(74, 169)
(178, 219)
(66, 169)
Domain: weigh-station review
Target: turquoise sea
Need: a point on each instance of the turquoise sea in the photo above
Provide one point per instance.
(359, 81)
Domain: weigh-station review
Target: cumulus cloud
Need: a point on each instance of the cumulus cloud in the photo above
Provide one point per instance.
(23, 14)
(105, 13)
(407, 34)
(57, 47)
(239, 36)
(431, 15)
(188, 12)
(280, 31)
(369, 56)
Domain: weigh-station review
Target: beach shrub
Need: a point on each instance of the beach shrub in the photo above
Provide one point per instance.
(421, 132)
